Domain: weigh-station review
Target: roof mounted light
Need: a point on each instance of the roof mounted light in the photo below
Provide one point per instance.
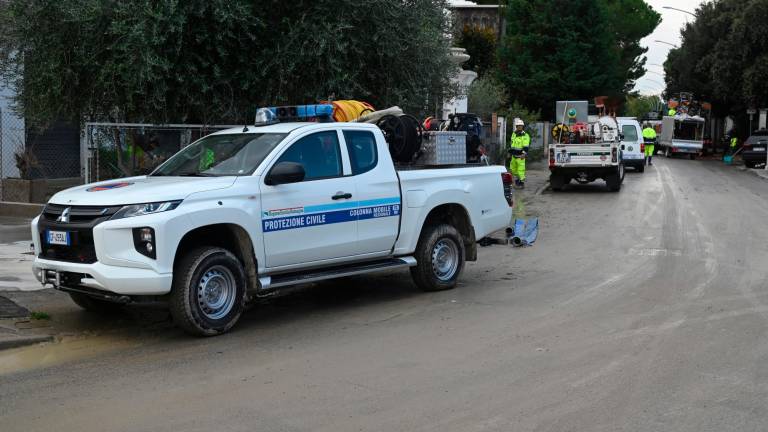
(306, 113)
(265, 116)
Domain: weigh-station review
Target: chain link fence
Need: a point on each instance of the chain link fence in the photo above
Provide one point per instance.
(12, 149)
(114, 150)
(35, 163)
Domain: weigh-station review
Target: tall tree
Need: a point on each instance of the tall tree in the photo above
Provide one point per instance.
(214, 61)
(723, 56)
(629, 21)
(558, 49)
(639, 106)
(554, 49)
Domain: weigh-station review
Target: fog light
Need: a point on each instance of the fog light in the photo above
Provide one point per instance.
(144, 241)
(146, 235)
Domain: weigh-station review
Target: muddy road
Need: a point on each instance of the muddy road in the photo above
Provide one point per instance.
(644, 310)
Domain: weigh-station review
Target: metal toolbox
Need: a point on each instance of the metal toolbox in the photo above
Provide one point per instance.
(444, 148)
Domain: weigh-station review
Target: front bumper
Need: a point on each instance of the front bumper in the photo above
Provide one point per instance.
(115, 279)
(115, 266)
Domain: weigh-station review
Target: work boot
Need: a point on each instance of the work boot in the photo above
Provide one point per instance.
(650, 160)
(522, 184)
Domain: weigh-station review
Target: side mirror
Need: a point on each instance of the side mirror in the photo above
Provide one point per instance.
(285, 172)
(621, 136)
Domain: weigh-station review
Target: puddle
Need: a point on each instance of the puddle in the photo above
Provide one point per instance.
(69, 348)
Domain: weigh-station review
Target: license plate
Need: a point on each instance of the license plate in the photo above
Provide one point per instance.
(758, 149)
(58, 238)
(562, 157)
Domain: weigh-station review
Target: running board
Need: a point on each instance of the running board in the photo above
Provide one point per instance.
(269, 283)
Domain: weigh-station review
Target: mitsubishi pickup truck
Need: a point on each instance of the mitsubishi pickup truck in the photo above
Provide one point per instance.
(243, 213)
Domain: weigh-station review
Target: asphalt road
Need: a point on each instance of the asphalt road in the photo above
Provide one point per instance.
(644, 310)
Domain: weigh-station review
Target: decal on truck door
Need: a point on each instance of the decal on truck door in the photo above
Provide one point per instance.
(324, 214)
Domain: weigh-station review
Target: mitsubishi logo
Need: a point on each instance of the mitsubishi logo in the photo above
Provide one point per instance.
(64, 218)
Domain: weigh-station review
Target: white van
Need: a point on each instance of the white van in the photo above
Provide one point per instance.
(632, 144)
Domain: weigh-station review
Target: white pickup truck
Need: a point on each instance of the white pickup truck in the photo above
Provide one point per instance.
(589, 154)
(242, 213)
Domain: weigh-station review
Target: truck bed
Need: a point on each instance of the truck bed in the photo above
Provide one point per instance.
(476, 188)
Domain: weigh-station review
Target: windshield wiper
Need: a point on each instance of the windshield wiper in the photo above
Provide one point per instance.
(196, 174)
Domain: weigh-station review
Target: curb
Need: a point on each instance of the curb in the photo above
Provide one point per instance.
(759, 172)
(20, 341)
(763, 174)
(16, 209)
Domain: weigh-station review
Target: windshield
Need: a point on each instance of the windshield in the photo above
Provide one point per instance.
(221, 155)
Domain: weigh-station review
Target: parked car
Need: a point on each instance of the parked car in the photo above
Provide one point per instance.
(755, 149)
(632, 144)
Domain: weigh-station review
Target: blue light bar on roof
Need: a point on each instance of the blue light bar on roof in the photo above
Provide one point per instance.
(320, 112)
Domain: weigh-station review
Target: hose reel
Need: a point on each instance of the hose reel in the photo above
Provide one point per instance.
(403, 134)
(560, 133)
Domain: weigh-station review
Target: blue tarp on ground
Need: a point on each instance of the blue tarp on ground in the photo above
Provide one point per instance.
(525, 232)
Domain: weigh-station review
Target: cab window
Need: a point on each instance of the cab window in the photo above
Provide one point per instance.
(319, 154)
(362, 151)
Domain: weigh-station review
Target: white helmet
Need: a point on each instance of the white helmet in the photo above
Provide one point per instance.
(519, 122)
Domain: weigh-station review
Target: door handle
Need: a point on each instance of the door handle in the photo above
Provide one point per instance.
(341, 195)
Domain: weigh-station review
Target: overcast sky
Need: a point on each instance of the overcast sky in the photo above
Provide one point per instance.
(667, 31)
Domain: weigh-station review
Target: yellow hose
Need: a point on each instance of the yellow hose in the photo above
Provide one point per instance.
(350, 110)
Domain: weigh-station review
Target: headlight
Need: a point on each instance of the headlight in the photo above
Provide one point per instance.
(145, 209)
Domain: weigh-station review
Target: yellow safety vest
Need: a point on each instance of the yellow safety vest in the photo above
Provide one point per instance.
(520, 143)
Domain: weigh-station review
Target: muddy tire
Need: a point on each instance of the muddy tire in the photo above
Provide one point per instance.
(614, 180)
(208, 292)
(557, 182)
(95, 305)
(749, 164)
(440, 256)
